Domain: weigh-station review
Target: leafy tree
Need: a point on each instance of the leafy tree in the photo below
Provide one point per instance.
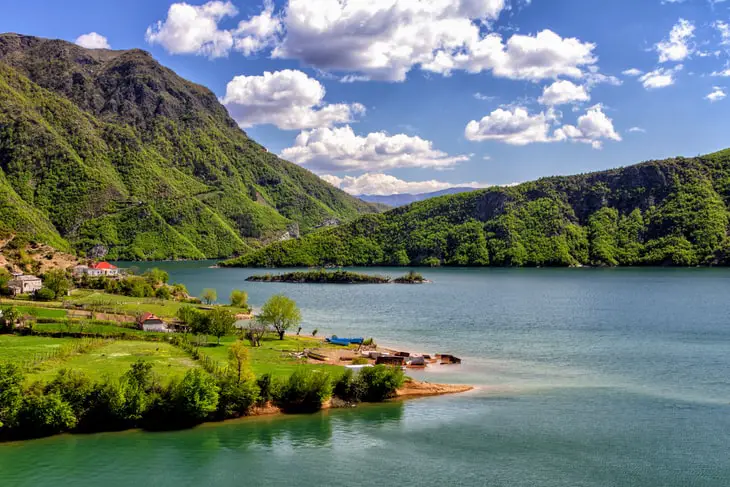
(4, 279)
(236, 397)
(209, 296)
(179, 291)
(45, 414)
(156, 277)
(304, 392)
(195, 397)
(201, 324)
(255, 331)
(57, 281)
(221, 322)
(44, 294)
(187, 314)
(379, 383)
(74, 387)
(11, 392)
(239, 298)
(238, 358)
(9, 317)
(281, 313)
(163, 292)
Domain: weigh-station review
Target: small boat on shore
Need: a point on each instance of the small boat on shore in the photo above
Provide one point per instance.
(345, 341)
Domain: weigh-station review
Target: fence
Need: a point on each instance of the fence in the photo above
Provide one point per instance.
(210, 365)
(85, 345)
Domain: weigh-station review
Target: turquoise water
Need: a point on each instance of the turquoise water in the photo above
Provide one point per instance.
(587, 377)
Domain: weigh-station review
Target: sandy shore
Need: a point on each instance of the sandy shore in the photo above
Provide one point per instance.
(413, 389)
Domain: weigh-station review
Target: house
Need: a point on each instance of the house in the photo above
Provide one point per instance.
(23, 284)
(150, 322)
(96, 269)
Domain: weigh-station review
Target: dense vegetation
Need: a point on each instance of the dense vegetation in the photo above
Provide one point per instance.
(109, 153)
(322, 277)
(671, 212)
(71, 401)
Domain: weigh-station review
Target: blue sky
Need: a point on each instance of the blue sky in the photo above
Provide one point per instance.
(384, 96)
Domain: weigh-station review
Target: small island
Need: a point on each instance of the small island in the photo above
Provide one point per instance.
(337, 277)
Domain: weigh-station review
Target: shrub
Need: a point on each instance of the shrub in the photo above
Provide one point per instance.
(266, 389)
(304, 392)
(347, 387)
(380, 382)
(194, 397)
(239, 299)
(163, 293)
(74, 387)
(236, 398)
(44, 414)
(44, 294)
(11, 392)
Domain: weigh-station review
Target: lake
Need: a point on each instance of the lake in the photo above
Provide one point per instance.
(586, 377)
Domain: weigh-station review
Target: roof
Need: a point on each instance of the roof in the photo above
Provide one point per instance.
(146, 316)
(102, 265)
(26, 278)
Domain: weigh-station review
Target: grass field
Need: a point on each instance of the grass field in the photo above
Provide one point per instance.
(114, 359)
(84, 327)
(273, 356)
(15, 348)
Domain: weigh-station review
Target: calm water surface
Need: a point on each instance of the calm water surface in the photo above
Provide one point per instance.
(587, 377)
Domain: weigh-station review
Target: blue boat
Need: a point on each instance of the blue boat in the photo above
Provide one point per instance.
(345, 341)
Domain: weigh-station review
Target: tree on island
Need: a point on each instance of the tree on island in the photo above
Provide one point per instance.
(281, 313)
(209, 295)
(221, 323)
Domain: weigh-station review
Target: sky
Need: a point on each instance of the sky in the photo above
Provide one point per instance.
(411, 96)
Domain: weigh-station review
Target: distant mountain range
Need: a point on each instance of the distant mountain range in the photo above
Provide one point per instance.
(108, 153)
(669, 212)
(395, 200)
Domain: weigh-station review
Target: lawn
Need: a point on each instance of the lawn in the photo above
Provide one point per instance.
(37, 311)
(273, 356)
(15, 348)
(130, 305)
(97, 329)
(114, 359)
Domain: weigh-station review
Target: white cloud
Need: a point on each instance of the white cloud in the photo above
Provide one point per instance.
(483, 97)
(636, 130)
(676, 48)
(92, 40)
(191, 29)
(592, 128)
(563, 92)
(545, 55)
(258, 32)
(512, 126)
(633, 72)
(660, 77)
(288, 99)
(718, 93)
(340, 149)
(385, 184)
(517, 127)
(724, 30)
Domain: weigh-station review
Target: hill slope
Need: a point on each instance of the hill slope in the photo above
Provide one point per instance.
(109, 151)
(672, 212)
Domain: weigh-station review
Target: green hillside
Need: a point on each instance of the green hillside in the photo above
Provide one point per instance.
(671, 212)
(110, 151)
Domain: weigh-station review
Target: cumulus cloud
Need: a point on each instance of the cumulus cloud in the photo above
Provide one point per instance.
(724, 30)
(92, 40)
(511, 126)
(385, 184)
(340, 149)
(563, 92)
(717, 94)
(545, 55)
(592, 128)
(676, 47)
(288, 99)
(193, 29)
(517, 126)
(660, 78)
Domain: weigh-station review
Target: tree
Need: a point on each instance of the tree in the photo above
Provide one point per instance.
(156, 276)
(163, 292)
(9, 317)
(221, 323)
(200, 324)
(238, 357)
(281, 313)
(239, 298)
(11, 392)
(209, 295)
(42, 415)
(187, 314)
(56, 281)
(180, 291)
(195, 397)
(4, 279)
(255, 331)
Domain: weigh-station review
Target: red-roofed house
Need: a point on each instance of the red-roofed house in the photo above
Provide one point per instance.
(97, 269)
(150, 322)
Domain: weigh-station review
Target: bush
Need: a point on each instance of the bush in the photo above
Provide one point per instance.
(347, 387)
(42, 415)
(236, 398)
(194, 398)
(380, 382)
(304, 392)
(11, 393)
(239, 299)
(74, 387)
(266, 389)
(44, 294)
(163, 293)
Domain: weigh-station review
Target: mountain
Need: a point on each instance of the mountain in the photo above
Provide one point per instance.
(110, 153)
(671, 212)
(395, 200)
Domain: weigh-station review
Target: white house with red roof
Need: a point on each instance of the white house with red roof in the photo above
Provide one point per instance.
(150, 322)
(97, 269)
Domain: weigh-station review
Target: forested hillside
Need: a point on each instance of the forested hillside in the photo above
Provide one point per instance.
(671, 212)
(108, 152)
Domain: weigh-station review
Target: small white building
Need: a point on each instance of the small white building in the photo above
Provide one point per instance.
(96, 269)
(24, 284)
(150, 322)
